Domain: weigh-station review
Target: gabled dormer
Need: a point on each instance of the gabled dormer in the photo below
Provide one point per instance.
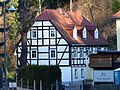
(96, 34)
(84, 33)
(75, 33)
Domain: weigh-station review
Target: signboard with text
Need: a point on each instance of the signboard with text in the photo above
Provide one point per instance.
(103, 76)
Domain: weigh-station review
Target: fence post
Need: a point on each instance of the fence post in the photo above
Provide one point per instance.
(27, 84)
(70, 86)
(34, 85)
(51, 87)
(21, 84)
(56, 84)
(40, 85)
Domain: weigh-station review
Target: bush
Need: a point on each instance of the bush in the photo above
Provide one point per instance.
(47, 74)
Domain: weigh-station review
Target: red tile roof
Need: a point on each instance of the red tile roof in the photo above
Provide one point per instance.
(65, 23)
(116, 15)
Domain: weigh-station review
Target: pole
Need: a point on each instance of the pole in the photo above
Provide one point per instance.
(71, 70)
(70, 5)
(57, 85)
(5, 73)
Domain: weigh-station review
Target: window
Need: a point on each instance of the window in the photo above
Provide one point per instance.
(52, 53)
(96, 33)
(34, 34)
(82, 73)
(34, 53)
(84, 33)
(75, 33)
(75, 52)
(52, 32)
(76, 73)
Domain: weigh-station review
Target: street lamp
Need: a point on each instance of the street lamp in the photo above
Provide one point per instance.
(5, 65)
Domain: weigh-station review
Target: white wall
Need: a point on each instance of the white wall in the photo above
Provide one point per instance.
(118, 33)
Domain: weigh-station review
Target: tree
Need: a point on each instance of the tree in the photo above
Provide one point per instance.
(115, 6)
(27, 10)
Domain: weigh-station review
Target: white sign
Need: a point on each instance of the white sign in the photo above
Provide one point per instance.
(103, 76)
(12, 84)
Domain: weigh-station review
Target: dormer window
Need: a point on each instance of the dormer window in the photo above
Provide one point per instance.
(84, 33)
(75, 33)
(96, 33)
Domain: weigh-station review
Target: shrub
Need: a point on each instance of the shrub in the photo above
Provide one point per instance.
(47, 74)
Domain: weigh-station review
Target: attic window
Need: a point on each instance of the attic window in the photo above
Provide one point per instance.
(75, 33)
(84, 33)
(96, 33)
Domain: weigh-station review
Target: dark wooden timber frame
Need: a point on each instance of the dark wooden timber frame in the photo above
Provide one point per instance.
(82, 49)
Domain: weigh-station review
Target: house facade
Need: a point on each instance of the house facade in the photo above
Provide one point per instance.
(116, 16)
(65, 39)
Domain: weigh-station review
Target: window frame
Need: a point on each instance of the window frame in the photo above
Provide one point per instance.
(84, 33)
(52, 56)
(32, 50)
(96, 34)
(34, 32)
(76, 73)
(82, 73)
(52, 32)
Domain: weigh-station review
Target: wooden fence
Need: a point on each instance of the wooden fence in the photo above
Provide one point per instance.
(22, 86)
(102, 87)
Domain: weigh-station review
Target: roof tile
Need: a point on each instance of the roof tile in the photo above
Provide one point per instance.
(65, 22)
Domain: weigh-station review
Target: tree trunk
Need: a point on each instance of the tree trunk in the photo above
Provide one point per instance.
(23, 57)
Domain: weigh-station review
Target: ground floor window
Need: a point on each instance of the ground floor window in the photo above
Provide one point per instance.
(52, 53)
(34, 53)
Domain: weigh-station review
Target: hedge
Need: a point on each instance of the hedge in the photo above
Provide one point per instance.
(47, 74)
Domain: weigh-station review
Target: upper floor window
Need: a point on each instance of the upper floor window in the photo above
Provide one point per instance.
(75, 52)
(75, 33)
(34, 34)
(84, 33)
(96, 33)
(52, 32)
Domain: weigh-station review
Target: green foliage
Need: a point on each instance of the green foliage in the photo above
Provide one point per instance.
(54, 4)
(12, 21)
(44, 73)
(34, 2)
(47, 74)
(115, 6)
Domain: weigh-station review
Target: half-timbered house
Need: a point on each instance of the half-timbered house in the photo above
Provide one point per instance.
(65, 39)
